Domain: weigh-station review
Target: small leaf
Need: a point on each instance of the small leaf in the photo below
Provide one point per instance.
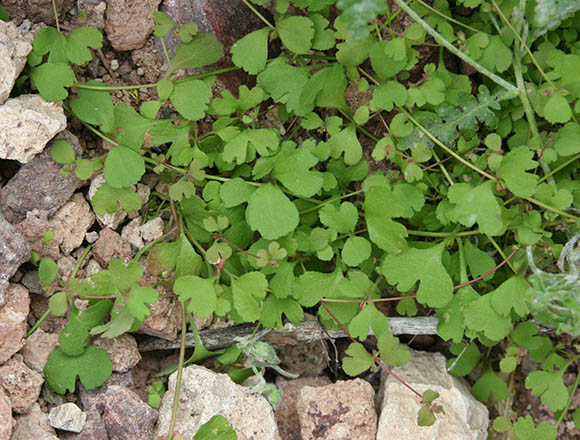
(425, 416)
(58, 303)
(296, 33)
(357, 359)
(139, 300)
(200, 294)
(123, 167)
(84, 169)
(51, 80)
(62, 152)
(216, 428)
(202, 50)
(391, 351)
(557, 110)
(78, 42)
(429, 396)
(271, 213)
(163, 24)
(47, 270)
(251, 52)
(191, 98)
(356, 250)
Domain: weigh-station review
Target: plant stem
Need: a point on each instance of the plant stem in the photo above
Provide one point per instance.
(450, 19)
(333, 199)
(441, 40)
(489, 272)
(162, 39)
(560, 167)
(441, 234)
(179, 373)
(257, 13)
(500, 251)
(80, 261)
(55, 15)
(572, 393)
(37, 323)
(550, 208)
(366, 300)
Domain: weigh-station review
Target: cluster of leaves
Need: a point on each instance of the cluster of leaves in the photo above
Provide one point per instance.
(273, 221)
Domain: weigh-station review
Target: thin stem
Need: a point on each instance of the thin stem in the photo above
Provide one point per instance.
(257, 13)
(441, 40)
(500, 251)
(572, 394)
(442, 168)
(550, 208)
(441, 234)
(162, 39)
(179, 373)
(37, 323)
(55, 15)
(450, 19)
(333, 199)
(376, 300)
(80, 261)
(446, 148)
(560, 167)
(489, 272)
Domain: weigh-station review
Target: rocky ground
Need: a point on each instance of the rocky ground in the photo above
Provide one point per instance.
(35, 198)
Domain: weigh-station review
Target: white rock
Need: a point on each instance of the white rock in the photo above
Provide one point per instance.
(152, 230)
(205, 394)
(73, 219)
(27, 123)
(131, 233)
(33, 425)
(111, 220)
(67, 417)
(14, 47)
(464, 419)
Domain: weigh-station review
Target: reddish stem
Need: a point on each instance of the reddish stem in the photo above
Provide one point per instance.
(225, 240)
(424, 169)
(377, 361)
(488, 272)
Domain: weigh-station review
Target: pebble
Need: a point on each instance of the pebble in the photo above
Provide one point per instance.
(114, 65)
(140, 71)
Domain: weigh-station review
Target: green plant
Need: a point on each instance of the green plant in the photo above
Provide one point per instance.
(272, 221)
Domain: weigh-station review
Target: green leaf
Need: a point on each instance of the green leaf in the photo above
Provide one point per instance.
(274, 307)
(296, 33)
(426, 416)
(551, 388)
(357, 359)
(478, 261)
(78, 42)
(357, 14)
(49, 40)
(512, 170)
(187, 31)
(247, 290)
(452, 315)
(510, 295)
(285, 84)
(51, 80)
(477, 205)
(489, 384)
(389, 94)
(423, 265)
(93, 367)
(190, 99)
(380, 206)
(236, 191)
(47, 270)
(251, 52)
(202, 50)
(524, 429)
(95, 107)
(271, 213)
(58, 303)
(323, 37)
(326, 88)
(481, 316)
(48, 237)
(391, 351)
(200, 292)
(123, 167)
(84, 168)
(131, 127)
(576, 417)
(343, 219)
(138, 301)
(508, 364)
(568, 140)
(388, 57)
(496, 55)
(429, 396)
(311, 287)
(182, 189)
(293, 171)
(62, 152)
(356, 250)
(164, 89)
(216, 428)
(107, 198)
(368, 317)
(163, 24)
(502, 424)
(557, 110)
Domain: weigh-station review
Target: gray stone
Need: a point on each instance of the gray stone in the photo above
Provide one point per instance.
(110, 245)
(5, 416)
(126, 416)
(111, 220)
(95, 10)
(33, 426)
(205, 394)
(164, 320)
(42, 10)
(14, 47)
(39, 185)
(14, 250)
(37, 348)
(27, 123)
(305, 358)
(73, 220)
(13, 321)
(21, 384)
(122, 351)
(128, 23)
(340, 411)
(465, 418)
(94, 428)
(152, 230)
(67, 417)
(131, 233)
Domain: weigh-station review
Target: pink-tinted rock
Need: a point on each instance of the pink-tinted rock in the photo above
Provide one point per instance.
(14, 250)
(110, 245)
(33, 426)
(126, 416)
(73, 220)
(21, 384)
(39, 185)
(13, 321)
(33, 228)
(164, 320)
(122, 351)
(341, 411)
(285, 411)
(42, 10)
(95, 10)
(305, 358)
(128, 23)
(37, 348)
(5, 416)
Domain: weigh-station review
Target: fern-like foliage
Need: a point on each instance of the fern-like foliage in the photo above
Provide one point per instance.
(548, 14)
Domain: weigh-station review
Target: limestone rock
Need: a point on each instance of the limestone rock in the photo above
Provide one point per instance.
(14, 250)
(5, 416)
(340, 411)
(164, 319)
(285, 412)
(465, 418)
(33, 425)
(33, 228)
(37, 348)
(305, 358)
(205, 394)
(122, 351)
(73, 220)
(110, 220)
(110, 245)
(27, 123)
(131, 233)
(95, 10)
(39, 185)
(67, 417)
(152, 230)
(128, 23)
(126, 416)
(21, 384)
(13, 321)
(14, 48)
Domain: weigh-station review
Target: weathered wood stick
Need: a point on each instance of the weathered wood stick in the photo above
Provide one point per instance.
(289, 334)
